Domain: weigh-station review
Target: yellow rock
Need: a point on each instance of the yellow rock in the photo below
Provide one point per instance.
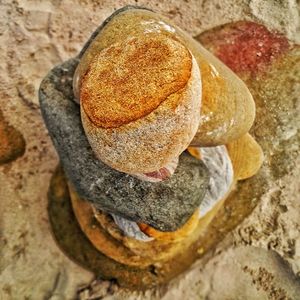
(194, 151)
(246, 156)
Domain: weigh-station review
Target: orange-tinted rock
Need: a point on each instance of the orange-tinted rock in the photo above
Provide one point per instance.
(12, 143)
(245, 46)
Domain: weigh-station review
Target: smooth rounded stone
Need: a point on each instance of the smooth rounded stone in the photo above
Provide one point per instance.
(166, 205)
(227, 109)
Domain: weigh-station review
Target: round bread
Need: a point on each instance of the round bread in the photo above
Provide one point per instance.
(140, 102)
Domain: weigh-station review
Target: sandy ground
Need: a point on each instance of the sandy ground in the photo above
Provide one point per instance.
(34, 36)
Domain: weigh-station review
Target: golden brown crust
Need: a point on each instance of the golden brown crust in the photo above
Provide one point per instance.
(130, 79)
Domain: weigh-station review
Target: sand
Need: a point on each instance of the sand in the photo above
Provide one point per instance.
(260, 259)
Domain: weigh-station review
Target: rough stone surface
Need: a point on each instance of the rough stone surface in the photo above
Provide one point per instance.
(37, 34)
(164, 205)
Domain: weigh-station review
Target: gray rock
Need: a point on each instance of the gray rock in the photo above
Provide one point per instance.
(166, 205)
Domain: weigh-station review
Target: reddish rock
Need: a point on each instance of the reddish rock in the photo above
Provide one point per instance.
(245, 46)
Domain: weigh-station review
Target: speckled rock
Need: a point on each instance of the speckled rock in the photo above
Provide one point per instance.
(165, 206)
